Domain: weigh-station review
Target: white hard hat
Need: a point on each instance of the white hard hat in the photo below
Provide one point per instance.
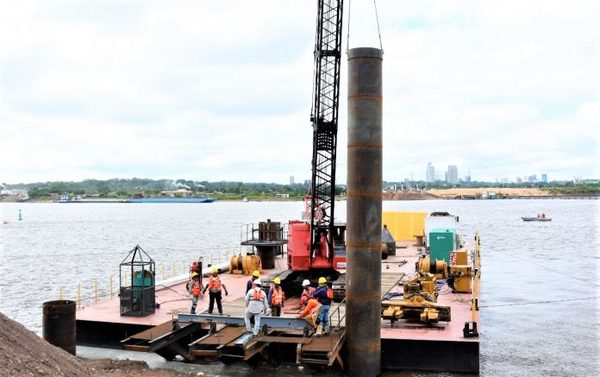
(257, 282)
(305, 283)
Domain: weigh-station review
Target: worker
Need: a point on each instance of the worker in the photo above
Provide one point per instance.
(256, 305)
(214, 286)
(276, 297)
(194, 287)
(324, 295)
(255, 275)
(311, 311)
(307, 292)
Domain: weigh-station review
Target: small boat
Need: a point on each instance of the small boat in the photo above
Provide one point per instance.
(536, 218)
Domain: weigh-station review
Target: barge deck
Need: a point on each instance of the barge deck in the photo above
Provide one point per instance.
(170, 331)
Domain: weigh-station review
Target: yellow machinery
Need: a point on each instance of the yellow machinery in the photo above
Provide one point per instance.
(439, 267)
(460, 278)
(460, 275)
(419, 302)
(244, 264)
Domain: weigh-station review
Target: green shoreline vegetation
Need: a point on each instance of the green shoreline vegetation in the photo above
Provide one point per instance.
(118, 188)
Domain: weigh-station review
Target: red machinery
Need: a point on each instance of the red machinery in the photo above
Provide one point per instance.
(316, 243)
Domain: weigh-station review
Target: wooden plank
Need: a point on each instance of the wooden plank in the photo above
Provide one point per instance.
(205, 353)
(282, 339)
(153, 332)
(132, 347)
(223, 336)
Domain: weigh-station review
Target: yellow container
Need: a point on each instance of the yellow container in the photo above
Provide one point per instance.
(404, 226)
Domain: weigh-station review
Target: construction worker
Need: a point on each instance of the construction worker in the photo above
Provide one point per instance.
(255, 275)
(307, 292)
(324, 295)
(256, 305)
(194, 287)
(276, 297)
(311, 311)
(214, 286)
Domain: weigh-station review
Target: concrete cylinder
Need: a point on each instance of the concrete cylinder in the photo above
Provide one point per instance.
(59, 324)
(363, 238)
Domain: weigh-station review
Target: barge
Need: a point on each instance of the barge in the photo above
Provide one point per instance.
(448, 344)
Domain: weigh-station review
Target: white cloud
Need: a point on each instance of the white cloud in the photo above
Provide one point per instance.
(222, 90)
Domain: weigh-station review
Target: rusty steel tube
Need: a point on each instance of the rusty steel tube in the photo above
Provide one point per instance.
(363, 238)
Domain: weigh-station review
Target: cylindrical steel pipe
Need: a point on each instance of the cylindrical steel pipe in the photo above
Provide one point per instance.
(363, 238)
(59, 324)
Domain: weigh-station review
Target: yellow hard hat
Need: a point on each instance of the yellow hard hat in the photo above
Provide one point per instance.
(215, 270)
(322, 280)
(194, 274)
(277, 280)
(256, 274)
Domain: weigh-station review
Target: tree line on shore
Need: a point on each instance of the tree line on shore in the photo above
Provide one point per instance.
(122, 188)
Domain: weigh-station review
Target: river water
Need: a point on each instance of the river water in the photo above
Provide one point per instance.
(539, 289)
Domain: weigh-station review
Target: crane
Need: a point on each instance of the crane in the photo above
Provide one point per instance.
(316, 245)
(324, 119)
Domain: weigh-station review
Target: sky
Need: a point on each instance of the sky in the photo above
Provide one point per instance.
(222, 90)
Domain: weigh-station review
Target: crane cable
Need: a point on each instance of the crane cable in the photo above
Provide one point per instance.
(378, 29)
(376, 19)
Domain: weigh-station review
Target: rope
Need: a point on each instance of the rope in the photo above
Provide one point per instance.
(539, 302)
(378, 29)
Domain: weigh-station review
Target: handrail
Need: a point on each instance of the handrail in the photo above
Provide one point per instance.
(476, 276)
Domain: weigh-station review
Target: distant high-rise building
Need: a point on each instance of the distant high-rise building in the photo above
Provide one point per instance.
(519, 180)
(544, 178)
(430, 173)
(452, 174)
(532, 178)
(291, 180)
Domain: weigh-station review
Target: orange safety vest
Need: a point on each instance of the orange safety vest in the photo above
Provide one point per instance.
(196, 289)
(214, 284)
(257, 295)
(277, 297)
(306, 295)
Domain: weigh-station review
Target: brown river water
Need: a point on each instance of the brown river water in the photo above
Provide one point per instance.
(540, 283)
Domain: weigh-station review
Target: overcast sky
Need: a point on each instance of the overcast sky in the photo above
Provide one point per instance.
(221, 90)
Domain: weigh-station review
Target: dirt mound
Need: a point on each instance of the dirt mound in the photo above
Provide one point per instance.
(408, 195)
(23, 353)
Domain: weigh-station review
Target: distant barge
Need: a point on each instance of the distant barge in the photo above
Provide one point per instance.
(138, 200)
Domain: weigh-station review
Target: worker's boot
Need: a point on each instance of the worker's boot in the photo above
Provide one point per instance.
(319, 330)
(325, 330)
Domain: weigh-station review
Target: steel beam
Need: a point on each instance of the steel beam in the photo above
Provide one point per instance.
(272, 322)
(363, 237)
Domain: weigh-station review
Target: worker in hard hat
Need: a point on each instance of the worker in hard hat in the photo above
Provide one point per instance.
(324, 295)
(276, 297)
(214, 286)
(194, 287)
(255, 275)
(256, 305)
(307, 292)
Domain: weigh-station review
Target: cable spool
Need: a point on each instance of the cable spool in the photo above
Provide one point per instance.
(251, 263)
(439, 267)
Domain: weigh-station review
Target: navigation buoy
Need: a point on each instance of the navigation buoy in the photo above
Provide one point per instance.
(20, 216)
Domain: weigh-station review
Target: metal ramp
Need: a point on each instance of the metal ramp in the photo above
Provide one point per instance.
(323, 350)
(231, 342)
(168, 339)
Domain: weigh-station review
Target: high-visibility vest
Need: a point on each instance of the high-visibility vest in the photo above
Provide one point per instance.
(257, 295)
(214, 284)
(196, 289)
(277, 297)
(306, 295)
